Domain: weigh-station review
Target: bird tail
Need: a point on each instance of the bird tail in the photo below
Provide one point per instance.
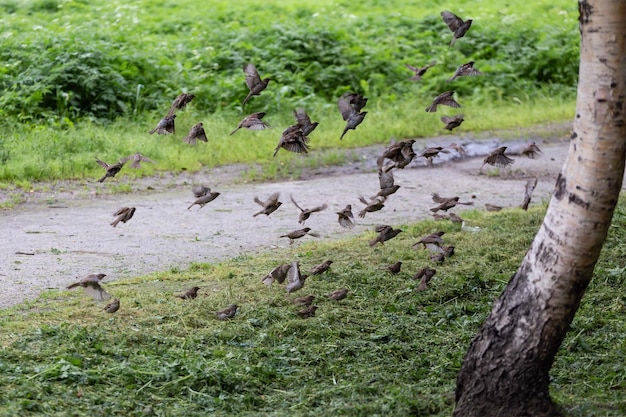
(233, 132)
(247, 98)
(152, 131)
(451, 78)
(115, 222)
(189, 208)
(276, 150)
(344, 132)
(103, 178)
(432, 108)
(373, 242)
(74, 285)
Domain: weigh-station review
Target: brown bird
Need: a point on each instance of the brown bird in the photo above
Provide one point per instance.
(180, 102)
(455, 219)
(277, 274)
(205, 199)
(424, 275)
(111, 169)
(297, 234)
(200, 190)
(448, 250)
(430, 153)
(452, 122)
(196, 133)
(432, 242)
(304, 121)
(419, 72)
(531, 150)
(269, 206)
(371, 206)
(165, 126)
(446, 203)
(190, 294)
(438, 257)
(293, 140)
(459, 148)
(345, 217)
(252, 122)
(137, 159)
(306, 213)
(295, 280)
(321, 268)
(464, 71)
(339, 294)
(394, 268)
(254, 82)
(227, 313)
(443, 99)
(385, 233)
(401, 153)
(91, 284)
(350, 105)
(123, 215)
(492, 207)
(458, 26)
(387, 186)
(307, 312)
(497, 158)
(528, 192)
(304, 301)
(113, 306)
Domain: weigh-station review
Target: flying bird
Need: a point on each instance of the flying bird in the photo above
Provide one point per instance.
(497, 158)
(165, 126)
(465, 70)
(204, 199)
(443, 99)
(528, 192)
(137, 159)
(295, 280)
(227, 313)
(200, 190)
(430, 153)
(91, 284)
(458, 26)
(452, 122)
(304, 121)
(306, 213)
(277, 274)
(321, 268)
(350, 105)
(180, 102)
(419, 72)
(371, 206)
(459, 148)
(339, 294)
(432, 242)
(269, 206)
(253, 81)
(252, 122)
(307, 312)
(196, 133)
(387, 184)
(113, 306)
(346, 217)
(293, 140)
(401, 153)
(385, 233)
(297, 234)
(190, 294)
(123, 215)
(111, 169)
(446, 203)
(531, 150)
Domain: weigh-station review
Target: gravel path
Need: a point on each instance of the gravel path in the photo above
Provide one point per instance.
(46, 246)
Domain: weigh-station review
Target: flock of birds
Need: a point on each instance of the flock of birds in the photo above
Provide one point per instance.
(295, 139)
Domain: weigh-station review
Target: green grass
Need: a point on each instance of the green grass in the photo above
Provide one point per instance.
(385, 350)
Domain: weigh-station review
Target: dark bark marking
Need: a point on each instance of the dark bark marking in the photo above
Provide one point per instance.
(561, 185)
(575, 199)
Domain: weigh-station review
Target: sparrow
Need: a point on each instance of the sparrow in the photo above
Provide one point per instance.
(448, 250)
(277, 274)
(297, 234)
(430, 153)
(306, 213)
(350, 105)
(304, 121)
(293, 140)
(464, 71)
(180, 102)
(339, 294)
(91, 284)
(438, 257)
(419, 72)
(459, 148)
(137, 159)
(446, 203)
(528, 192)
(443, 99)
(196, 133)
(113, 306)
(123, 215)
(200, 190)
(373, 205)
(321, 268)
(227, 313)
(401, 153)
(190, 294)
(112, 169)
(424, 275)
(205, 199)
(345, 217)
(254, 82)
(307, 312)
(304, 301)
(497, 158)
(252, 122)
(394, 268)
(492, 207)
(385, 233)
(432, 242)
(455, 219)
(269, 206)
(165, 126)
(387, 186)
(458, 26)
(531, 150)
(295, 280)
(452, 122)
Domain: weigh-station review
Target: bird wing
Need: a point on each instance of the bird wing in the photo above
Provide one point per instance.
(295, 204)
(102, 163)
(252, 75)
(385, 179)
(272, 200)
(344, 108)
(453, 21)
(301, 117)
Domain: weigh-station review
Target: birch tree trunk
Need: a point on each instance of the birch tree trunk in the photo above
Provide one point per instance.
(506, 370)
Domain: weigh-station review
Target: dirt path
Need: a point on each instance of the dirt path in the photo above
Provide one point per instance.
(72, 237)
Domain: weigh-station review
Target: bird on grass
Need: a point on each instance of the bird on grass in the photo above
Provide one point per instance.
(531, 150)
(385, 233)
(304, 301)
(295, 279)
(304, 121)
(371, 206)
(205, 199)
(196, 133)
(252, 122)
(277, 274)
(394, 268)
(528, 192)
(113, 306)
(293, 140)
(227, 313)
(345, 217)
(339, 294)
(497, 158)
(465, 70)
(443, 99)
(165, 126)
(424, 275)
(190, 294)
(321, 268)
(350, 105)
(253, 81)
(123, 215)
(307, 312)
(269, 206)
(452, 122)
(297, 234)
(111, 170)
(91, 284)
(419, 72)
(458, 26)
(306, 213)
(492, 207)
